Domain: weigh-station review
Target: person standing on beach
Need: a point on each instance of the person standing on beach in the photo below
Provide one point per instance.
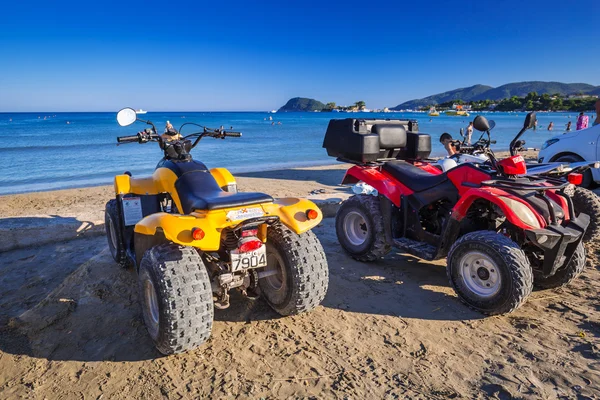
(582, 121)
(569, 126)
(446, 141)
(597, 120)
(551, 126)
(469, 132)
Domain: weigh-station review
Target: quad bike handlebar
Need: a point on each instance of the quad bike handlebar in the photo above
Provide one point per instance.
(149, 135)
(179, 147)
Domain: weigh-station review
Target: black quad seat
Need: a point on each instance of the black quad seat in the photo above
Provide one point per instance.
(198, 190)
(413, 177)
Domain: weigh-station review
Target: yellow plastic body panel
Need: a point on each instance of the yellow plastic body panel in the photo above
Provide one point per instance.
(161, 181)
(292, 213)
(223, 177)
(178, 228)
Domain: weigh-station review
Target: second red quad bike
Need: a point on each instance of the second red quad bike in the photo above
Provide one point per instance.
(501, 230)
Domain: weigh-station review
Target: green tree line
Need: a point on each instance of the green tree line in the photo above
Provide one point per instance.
(531, 102)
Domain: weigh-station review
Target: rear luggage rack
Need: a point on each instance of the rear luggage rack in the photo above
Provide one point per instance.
(523, 186)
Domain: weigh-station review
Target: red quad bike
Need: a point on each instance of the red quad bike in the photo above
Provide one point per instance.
(501, 231)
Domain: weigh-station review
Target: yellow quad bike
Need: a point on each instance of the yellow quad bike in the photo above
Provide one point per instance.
(192, 238)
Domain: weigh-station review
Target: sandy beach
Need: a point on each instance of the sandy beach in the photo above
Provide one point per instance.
(71, 326)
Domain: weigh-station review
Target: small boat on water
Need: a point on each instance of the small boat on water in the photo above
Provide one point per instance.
(140, 111)
(457, 113)
(457, 110)
(433, 112)
(273, 111)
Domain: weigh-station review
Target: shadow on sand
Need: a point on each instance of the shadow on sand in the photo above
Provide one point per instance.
(71, 301)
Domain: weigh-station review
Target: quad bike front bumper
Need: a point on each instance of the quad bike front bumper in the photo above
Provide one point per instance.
(559, 241)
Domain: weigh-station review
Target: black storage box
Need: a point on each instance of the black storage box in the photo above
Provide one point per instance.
(372, 140)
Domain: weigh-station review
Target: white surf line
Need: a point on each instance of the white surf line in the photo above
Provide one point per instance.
(67, 281)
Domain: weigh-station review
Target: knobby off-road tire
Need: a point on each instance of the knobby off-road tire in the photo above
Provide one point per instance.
(114, 233)
(180, 316)
(302, 273)
(489, 272)
(565, 274)
(360, 230)
(587, 202)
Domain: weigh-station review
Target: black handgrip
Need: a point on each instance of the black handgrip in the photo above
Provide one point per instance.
(233, 134)
(127, 139)
(492, 142)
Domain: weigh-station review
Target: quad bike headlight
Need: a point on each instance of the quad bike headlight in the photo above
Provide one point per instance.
(522, 211)
(549, 143)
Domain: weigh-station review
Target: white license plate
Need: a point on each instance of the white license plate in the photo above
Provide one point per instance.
(251, 259)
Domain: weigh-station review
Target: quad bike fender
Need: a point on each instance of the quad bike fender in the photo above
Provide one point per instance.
(524, 217)
(292, 212)
(161, 181)
(124, 184)
(224, 178)
(178, 228)
(385, 184)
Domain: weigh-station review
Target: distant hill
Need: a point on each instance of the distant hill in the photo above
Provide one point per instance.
(519, 89)
(457, 94)
(302, 104)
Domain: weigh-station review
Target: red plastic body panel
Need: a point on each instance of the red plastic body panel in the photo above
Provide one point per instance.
(561, 202)
(514, 165)
(428, 167)
(385, 184)
(491, 194)
(465, 173)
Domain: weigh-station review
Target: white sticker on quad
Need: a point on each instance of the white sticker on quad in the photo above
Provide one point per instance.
(132, 210)
(245, 213)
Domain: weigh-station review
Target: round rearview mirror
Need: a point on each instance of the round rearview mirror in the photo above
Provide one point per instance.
(126, 116)
(481, 124)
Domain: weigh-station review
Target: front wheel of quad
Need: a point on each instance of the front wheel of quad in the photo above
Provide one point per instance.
(587, 202)
(176, 297)
(114, 233)
(360, 230)
(299, 275)
(565, 274)
(489, 272)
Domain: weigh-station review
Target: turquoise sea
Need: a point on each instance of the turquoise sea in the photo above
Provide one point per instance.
(40, 151)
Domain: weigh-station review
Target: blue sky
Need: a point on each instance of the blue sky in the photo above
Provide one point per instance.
(100, 56)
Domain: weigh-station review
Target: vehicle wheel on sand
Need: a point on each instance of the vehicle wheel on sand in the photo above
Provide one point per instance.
(588, 179)
(114, 233)
(565, 274)
(360, 230)
(489, 272)
(587, 202)
(300, 276)
(176, 297)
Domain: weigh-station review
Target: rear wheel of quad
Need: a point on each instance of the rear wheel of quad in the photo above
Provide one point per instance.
(588, 179)
(114, 233)
(360, 230)
(300, 275)
(489, 272)
(176, 297)
(565, 274)
(587, 202)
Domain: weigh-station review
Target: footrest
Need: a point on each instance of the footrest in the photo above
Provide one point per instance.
(419, 249)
